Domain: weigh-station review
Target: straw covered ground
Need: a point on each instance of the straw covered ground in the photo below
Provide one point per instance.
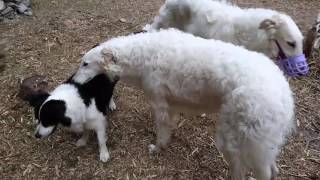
(52, 42)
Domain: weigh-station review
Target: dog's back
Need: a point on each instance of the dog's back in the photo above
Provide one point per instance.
(75, 99)
(100, 88)
(79, 107)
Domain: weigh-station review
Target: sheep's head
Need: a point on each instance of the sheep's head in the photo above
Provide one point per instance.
(282, 29)
(98, 60)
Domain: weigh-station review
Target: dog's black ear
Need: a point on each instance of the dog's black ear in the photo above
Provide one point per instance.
(65, 121)
(37, 99)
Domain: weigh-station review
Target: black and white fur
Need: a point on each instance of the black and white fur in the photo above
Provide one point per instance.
(79, 107)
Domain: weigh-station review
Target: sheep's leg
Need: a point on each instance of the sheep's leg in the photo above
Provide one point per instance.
(83, 140)
(101, 134)
(164, 125)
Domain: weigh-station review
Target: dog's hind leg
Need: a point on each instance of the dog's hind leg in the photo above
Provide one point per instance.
(83, 140)
(165, 122)
(232, 156)
(227, 142)
(263, 163)
(274, 171)
(102, 138)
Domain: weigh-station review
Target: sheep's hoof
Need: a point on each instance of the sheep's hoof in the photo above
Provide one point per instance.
(153, 149)
(104, 156)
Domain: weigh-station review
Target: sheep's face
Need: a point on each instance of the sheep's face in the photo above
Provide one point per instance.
(283, 30)
(96, 61)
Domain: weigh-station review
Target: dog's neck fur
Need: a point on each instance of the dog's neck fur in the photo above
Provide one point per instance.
(248, 34)
(255, 39)
(129, 65)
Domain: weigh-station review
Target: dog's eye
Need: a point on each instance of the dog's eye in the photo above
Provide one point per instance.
(85, 64)
(291, 44)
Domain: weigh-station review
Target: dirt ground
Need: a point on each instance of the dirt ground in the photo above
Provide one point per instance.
(51, 43)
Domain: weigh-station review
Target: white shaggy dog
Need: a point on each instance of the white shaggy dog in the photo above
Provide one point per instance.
(183, 73)
(254, 28)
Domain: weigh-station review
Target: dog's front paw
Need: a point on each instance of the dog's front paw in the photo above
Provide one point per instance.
(81, 142)
(112, 105)
(153, 149)
(104, 156)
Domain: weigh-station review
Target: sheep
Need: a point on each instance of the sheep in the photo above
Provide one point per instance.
(254, 28)
(181, 73)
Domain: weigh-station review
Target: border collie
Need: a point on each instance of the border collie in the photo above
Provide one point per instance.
(77, 106)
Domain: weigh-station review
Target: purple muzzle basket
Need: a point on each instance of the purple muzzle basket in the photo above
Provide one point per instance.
(295, 66)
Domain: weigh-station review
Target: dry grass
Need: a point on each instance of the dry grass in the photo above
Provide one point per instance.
(51, 43)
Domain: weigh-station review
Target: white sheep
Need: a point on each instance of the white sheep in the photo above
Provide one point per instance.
(179, 72)
(256, 29)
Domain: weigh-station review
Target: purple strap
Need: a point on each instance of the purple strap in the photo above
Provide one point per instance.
(281, 54)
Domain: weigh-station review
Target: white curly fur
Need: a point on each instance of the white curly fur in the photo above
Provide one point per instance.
(182, 73)
(254, 28)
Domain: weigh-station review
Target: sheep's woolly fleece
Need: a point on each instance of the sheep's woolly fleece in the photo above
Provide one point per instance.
(182, 73)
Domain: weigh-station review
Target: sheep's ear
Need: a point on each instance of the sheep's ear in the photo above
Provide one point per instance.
(268, 24)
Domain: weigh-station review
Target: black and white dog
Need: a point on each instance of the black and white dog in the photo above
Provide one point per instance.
(79, 107)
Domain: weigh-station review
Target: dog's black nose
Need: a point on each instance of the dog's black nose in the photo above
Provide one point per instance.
(37, 135)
